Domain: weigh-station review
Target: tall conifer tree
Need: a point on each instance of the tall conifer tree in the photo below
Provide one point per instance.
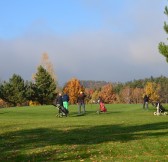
(45, 86)
(14, 91)
(163, 48)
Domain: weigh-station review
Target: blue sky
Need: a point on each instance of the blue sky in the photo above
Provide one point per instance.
(58, 16)
(112, 40)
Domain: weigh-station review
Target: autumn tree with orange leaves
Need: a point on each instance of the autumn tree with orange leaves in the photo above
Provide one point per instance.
(136, 95)
(72, 88)
(125, 95)
(107, 94)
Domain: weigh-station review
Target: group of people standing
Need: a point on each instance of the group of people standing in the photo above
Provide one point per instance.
(63, 100)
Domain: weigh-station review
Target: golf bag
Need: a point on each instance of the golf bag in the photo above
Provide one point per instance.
(102, 108)
(61, 111)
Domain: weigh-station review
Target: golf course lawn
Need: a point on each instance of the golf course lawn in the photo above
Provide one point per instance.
(125, 132)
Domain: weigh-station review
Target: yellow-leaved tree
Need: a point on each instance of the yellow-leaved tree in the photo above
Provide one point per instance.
(95, 96)
(47, 64)
(152, 90)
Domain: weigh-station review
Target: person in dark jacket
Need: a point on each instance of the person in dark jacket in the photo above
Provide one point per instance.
(59, 104)
(146, 100)
(81, 102)
(65, 99)
(59, 100)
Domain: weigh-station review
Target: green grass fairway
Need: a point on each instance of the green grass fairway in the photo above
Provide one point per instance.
(124, 133)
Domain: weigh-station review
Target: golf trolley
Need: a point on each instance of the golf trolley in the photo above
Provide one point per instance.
(160, 110)
(61, 111)
(102, 108)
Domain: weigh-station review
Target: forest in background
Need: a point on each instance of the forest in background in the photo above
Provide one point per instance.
(131, 91)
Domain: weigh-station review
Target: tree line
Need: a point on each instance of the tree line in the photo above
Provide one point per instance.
(44, 88)
(133, 91)
(17, 92)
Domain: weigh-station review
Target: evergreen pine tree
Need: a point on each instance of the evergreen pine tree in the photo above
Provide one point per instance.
(44, 86)
(13, 92)
(163, 48)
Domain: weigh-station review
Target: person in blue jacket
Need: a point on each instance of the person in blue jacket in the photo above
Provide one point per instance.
(65, 99)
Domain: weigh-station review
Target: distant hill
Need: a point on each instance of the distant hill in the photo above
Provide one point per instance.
(91, 84)
(140, 83)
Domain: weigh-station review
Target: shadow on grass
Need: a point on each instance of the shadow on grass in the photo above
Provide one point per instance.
(75, 114)
(3, 112)
(12, 145)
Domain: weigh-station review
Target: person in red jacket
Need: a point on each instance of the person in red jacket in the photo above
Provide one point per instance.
(102, 105)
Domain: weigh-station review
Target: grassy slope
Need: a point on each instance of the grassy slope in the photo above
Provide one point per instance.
(124, 133)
